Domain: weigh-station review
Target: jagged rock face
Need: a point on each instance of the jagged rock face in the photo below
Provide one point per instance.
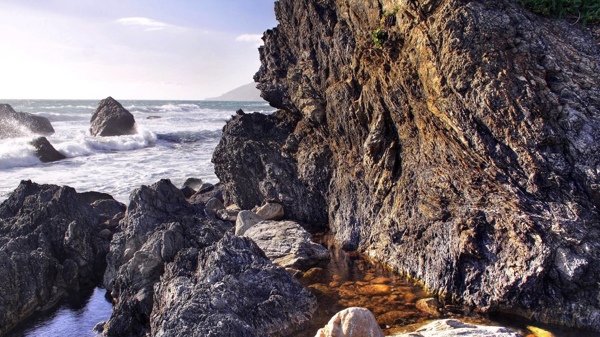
(159, 223)
(171, 273)
(229, 289)
(463, 152)
(112, 119)
(20, 124)
(254, 164)
(50, 244)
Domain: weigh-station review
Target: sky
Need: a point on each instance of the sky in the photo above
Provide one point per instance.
(129, 49)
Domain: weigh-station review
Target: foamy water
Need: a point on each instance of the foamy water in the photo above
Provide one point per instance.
(175, 140)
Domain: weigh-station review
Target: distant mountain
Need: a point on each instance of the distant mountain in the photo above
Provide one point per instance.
(246, 92)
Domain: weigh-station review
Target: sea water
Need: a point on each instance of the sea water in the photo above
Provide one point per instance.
(175, 140)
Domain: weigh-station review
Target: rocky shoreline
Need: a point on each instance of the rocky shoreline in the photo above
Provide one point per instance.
(456, 142)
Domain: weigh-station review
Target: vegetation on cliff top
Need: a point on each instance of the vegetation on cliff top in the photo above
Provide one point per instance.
(584, 10)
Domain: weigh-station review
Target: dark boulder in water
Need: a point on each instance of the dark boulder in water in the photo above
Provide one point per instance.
(45, 151)
(50, 244)
(112, 119)
(21, 124)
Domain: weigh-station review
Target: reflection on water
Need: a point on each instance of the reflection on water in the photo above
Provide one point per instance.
(348, 280)
(352, 280)
(75, 316)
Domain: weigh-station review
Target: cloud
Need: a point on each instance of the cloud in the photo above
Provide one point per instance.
(254, 38)
(145, 23)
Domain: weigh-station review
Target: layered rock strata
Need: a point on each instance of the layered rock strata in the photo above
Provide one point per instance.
(456, 141)
(112, 119)
(50, 244)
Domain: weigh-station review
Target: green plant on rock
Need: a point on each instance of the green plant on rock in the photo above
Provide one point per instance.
(584, 10)
(380, 35)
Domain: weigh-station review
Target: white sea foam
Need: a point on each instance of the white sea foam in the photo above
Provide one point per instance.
(17, 152)
(175, 146)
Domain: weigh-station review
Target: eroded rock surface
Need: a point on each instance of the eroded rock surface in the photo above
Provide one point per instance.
(159, 223)
(166, 257)
(462, 151)
(112, 119)
(229, 289)
(22, 124)
(50, 244)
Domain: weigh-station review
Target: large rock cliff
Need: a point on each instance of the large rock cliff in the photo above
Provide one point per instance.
(456, 141)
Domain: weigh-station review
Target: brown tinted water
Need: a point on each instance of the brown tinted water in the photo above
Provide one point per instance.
(353, 280)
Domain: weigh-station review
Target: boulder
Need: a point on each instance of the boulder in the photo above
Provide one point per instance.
(45, 151)
(228, 289)
(287, 244)
(351, 322)
(51, 244)
(271, 211)
(213, 206)
(245, 220)
(194, 183)
(456, 328)
(22, 124)
(112, 119)
(201, 198)
(159, 222)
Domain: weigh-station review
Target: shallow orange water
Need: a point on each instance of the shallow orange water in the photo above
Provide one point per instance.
(353, 280)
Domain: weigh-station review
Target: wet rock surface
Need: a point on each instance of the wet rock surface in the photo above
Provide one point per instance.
(22, 124)
(111, 119)
(462, 151)
(50, 245)
(45, 151)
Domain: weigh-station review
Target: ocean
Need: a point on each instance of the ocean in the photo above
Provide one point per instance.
(175, 140)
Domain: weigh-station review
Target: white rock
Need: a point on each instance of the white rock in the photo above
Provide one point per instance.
(351, 322)
(456, 328)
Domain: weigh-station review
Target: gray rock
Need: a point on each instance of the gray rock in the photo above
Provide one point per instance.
(206, 187)
(228, 289)
(351, 322)
(245, 220)
(194, 183)
(45, 151)
(187, 191)
(158, 224)
(22, 124)
(456, 328)
(214, 205)
(50, 245)
(271, 211)
(112, 119)
(287, 244)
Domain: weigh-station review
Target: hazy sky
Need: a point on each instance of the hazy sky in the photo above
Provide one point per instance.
(129, 49)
